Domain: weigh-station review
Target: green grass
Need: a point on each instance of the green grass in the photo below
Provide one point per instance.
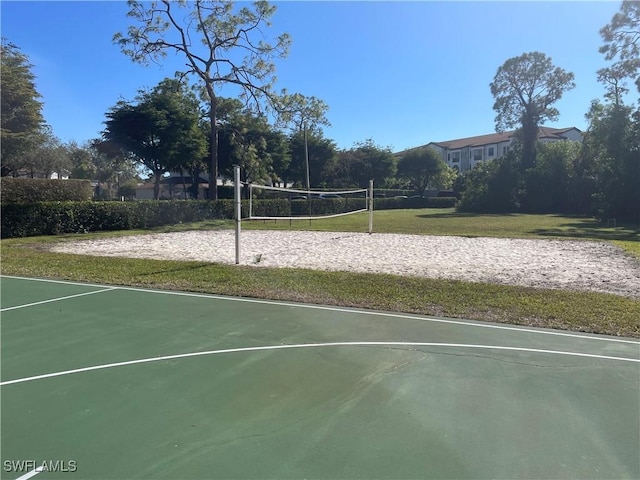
(579, 311)
(447, 221)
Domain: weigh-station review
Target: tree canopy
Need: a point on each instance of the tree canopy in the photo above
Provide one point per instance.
(222, 45)
(622, 41)
(365, 161)
(161, 130)
(421, 166)
(21, 109)
(524, 89)
(322, 153)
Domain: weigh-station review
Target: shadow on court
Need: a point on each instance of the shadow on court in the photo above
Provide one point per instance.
(129, 383)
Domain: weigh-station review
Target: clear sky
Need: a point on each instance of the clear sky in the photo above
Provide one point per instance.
(400, 73)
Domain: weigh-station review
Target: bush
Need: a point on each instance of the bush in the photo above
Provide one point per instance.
(548, 182)
(54, 218)
(418, 202)
(492, 187)
(315, 206)
(35, 190)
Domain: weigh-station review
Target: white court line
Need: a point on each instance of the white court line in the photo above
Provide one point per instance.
(57, 299)
(313, 345)
(341, 310)
(32, 473)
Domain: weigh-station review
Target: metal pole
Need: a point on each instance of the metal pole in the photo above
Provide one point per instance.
(238, 209)
(306, 155)
(306, 158)
(370, 206)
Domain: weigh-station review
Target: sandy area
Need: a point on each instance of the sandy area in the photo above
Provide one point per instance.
(560, 264)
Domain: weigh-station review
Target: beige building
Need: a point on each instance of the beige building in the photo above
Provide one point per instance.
(465, 153)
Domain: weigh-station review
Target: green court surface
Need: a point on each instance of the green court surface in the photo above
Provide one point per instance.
(104, 382)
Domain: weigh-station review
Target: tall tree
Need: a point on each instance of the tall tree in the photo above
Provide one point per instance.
(524, 89)
(550, 185)
(613, 79)
(222, 45)
(612, 150)
(421, 166)
(102, 161)
(82, 165)
(306, 115)
(21, 109)
(622, 40)
(299, 111)
(248, 140)
(48, 156)
(365, 161)
(161, 130)
(322, 155)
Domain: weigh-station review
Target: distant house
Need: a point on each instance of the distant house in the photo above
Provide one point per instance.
(27, 173)
(465, 153)
(171, 189)
(176, 186)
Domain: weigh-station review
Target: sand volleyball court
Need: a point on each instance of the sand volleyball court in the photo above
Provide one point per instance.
(559, 264)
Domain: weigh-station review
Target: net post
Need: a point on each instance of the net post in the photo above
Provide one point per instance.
(370, 206)
(238, 208)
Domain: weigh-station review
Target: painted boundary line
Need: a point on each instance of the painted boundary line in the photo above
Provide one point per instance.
(335, 309)
(32, 473)
(57, 299)
(312, 345)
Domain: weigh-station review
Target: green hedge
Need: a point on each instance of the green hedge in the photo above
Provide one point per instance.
(53, 218)
(429, 202)
(35, 190)
(314, 206)
(330, 206)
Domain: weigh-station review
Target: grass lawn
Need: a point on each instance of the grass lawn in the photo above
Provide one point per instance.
(580, 311)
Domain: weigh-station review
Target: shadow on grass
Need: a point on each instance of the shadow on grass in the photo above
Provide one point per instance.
(466, 215)
(589, 229)
(568, 226)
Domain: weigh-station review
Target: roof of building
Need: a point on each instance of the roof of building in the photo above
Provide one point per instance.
(543, 132)
(475, 141)
(493, 138)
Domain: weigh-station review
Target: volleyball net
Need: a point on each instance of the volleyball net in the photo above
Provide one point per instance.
(279, 203)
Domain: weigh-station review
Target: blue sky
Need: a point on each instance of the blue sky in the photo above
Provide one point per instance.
(400, 73)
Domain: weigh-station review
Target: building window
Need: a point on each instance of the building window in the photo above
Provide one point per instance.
(505, 150)
(477, 154)
(490, 152)
(455, 157)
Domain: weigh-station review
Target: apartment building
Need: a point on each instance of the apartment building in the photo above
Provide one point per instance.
(465, 153)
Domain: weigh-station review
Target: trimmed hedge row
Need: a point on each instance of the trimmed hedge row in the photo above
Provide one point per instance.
(34, 190)
(330, 206)
(316, 206)
(54, 218)
(429, 202)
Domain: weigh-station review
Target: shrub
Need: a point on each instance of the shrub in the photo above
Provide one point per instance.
(416, 202)
(53, 218)
(492, 187)
(34, 190)
(315, 206)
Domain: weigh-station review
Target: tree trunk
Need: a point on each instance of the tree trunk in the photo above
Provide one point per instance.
(156, 186)
(529, 139)
(213, 142)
